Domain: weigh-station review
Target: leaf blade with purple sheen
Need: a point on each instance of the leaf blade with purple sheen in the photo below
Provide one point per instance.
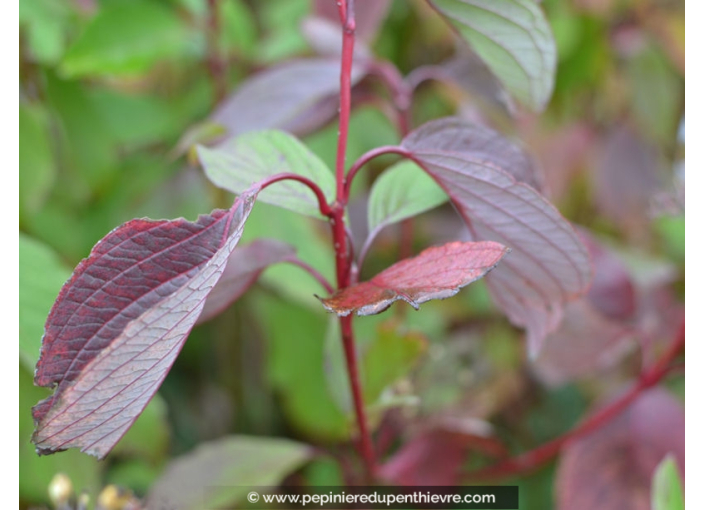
(243, 269)
(239, 162)
(436, 273)
(279, 97)
(478, 169)
(514, 40)
(120, 321)
(401, 192)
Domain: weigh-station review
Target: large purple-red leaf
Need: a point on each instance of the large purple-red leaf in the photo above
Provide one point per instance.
(437, 273)
(489, 181)
(244, 266)
(612, 468)
(121, 320)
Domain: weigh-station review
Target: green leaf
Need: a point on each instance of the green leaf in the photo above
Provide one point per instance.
(239, 26)
(46, 23)
(41, 277)
(88, 150)
(220, 473)
(126, 38)
(656, 94)
(666, 492)
(148, 438)
(37, 166)
(36, 472)
(513, 38)
(295, 366)
(388, 353)
(243, 160)
(390, 357)
(401, 192)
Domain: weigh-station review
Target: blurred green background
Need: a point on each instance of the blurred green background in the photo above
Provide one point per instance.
(108, 89)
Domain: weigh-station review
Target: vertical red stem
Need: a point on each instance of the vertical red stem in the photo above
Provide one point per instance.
(337, 221)
(216, 63)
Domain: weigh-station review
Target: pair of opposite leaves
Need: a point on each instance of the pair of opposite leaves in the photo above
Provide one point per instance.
(124, 315)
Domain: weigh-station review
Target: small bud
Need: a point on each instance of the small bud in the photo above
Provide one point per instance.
(83, 501)
(113, 497)
(60, 490)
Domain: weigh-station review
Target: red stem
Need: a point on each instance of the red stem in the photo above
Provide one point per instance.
(325, 208)
(337, 222)
(313, 272)
(216, 64)
(368, 156)
(365, 440)
(534, 459)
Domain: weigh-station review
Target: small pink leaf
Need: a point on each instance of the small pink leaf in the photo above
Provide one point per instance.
(437, 273)
(612, 467)
(121, 320)
(485, 176)
(244, 266)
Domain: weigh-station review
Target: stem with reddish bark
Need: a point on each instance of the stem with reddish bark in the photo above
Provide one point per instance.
(342, 252)
(536, 458)
(216, 63)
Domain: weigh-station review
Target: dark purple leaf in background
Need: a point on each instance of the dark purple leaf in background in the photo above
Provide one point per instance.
(243, 268)
(626, 178)
(294, 96)
(436, 457)
(612, 468)
(584, 344)
(597, 330)
(488, 180)
(612, 291)
(121, 320)
(437, 273)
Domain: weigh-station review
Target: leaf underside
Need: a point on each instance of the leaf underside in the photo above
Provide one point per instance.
(436, 273)
(513, 38)
(121, 320)
(487, 179)
(239, 162)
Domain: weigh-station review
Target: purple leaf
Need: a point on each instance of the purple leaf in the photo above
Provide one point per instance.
(436, 457)
(597, 330)
(121, 320)
(289, 97)
(437, 273)
(243, 268)
(612, 291)
(612, 467)
(585, 343)
(487, 178)
(626, 178)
